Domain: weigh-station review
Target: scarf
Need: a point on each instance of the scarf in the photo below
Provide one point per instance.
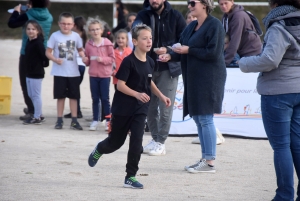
(277, 12)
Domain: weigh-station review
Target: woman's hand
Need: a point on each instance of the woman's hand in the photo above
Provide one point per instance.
(164, 57)
(142, 97)
(181, 50)
(18, 8)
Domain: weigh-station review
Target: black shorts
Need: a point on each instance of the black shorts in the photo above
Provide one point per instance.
(66, 87)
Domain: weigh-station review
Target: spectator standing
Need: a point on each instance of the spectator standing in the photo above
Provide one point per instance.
(99, 57)
(242, 34)
(61, 49)
(121, 51)
(167, 25)
(120, 14)
(37, 11)
(35, 60)
(204, 76)
(278, 85)
(130, 19)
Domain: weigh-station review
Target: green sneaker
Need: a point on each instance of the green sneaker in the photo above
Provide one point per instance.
(131, 182)
(94, 157)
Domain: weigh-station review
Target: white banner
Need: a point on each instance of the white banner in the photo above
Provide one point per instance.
(241, 113)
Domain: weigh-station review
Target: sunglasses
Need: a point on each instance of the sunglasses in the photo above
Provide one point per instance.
(192, 3)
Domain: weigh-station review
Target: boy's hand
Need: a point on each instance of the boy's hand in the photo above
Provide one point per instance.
(142, 97)
(18, 8)
(166, 100)
(99, 59)
(59, 61)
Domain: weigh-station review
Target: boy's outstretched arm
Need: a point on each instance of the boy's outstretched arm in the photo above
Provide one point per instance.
(157, 93)
(122, 87)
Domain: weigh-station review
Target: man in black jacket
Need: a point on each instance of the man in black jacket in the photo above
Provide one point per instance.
(167, 25)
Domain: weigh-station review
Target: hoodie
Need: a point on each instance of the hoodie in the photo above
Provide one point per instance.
(105, 50)
(242, 35)
(279, 62)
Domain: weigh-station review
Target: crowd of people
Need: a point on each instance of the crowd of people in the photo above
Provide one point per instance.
(145, 58)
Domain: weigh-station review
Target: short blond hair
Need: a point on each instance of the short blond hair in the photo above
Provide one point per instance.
(95, 20)
(135, 31)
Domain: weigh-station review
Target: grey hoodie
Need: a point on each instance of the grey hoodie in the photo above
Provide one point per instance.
(279, 62)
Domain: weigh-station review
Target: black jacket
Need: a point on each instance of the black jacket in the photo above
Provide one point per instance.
(203, 68)
(35, 58)
(166, 31)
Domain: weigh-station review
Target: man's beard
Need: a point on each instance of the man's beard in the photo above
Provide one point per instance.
(158, 8)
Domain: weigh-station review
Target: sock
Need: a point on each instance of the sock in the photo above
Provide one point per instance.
(59, 119)
(74, 119)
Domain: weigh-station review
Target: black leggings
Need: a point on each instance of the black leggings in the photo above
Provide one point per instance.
(22, 77)
(120, 125)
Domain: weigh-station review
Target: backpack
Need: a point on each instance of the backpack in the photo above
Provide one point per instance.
(255, 23)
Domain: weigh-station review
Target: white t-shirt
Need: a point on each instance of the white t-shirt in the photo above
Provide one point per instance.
(64, 47)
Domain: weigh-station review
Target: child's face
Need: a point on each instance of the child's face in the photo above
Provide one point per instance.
(122, 39)
(95, 31)
(144, 41)
(31, 31)
(130, 21)
(190, 18)
(66, 25)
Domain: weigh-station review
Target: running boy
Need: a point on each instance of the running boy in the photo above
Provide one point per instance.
(130, 105)
(65, 68)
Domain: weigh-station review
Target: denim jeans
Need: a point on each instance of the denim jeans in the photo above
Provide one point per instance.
(281, 118)
(207, 135)
(100, 91)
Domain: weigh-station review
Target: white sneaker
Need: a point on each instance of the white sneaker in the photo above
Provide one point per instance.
(149, 147)
(196, 140)
(158, 150)
(93, 126)
(106, 125)
(220, 138)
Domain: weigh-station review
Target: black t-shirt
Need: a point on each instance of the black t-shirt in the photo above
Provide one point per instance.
(137, 75)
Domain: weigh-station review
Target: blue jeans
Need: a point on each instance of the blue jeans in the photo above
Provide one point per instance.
(100, 91)
(207, 135)
(281, 118)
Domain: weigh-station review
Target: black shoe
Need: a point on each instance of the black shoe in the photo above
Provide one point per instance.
(42, 118)
(94, 157)
(26, 117)
(131, 182)
(25, 110)
(68, 116)
(79, 115)
(59, 125)
(75, 126)
(146, 127)
(32, 121)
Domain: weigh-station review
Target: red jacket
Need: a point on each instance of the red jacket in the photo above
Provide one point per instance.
(101, 69)
(119, 58)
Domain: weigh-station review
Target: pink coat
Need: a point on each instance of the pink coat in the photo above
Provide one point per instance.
(101, 69)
